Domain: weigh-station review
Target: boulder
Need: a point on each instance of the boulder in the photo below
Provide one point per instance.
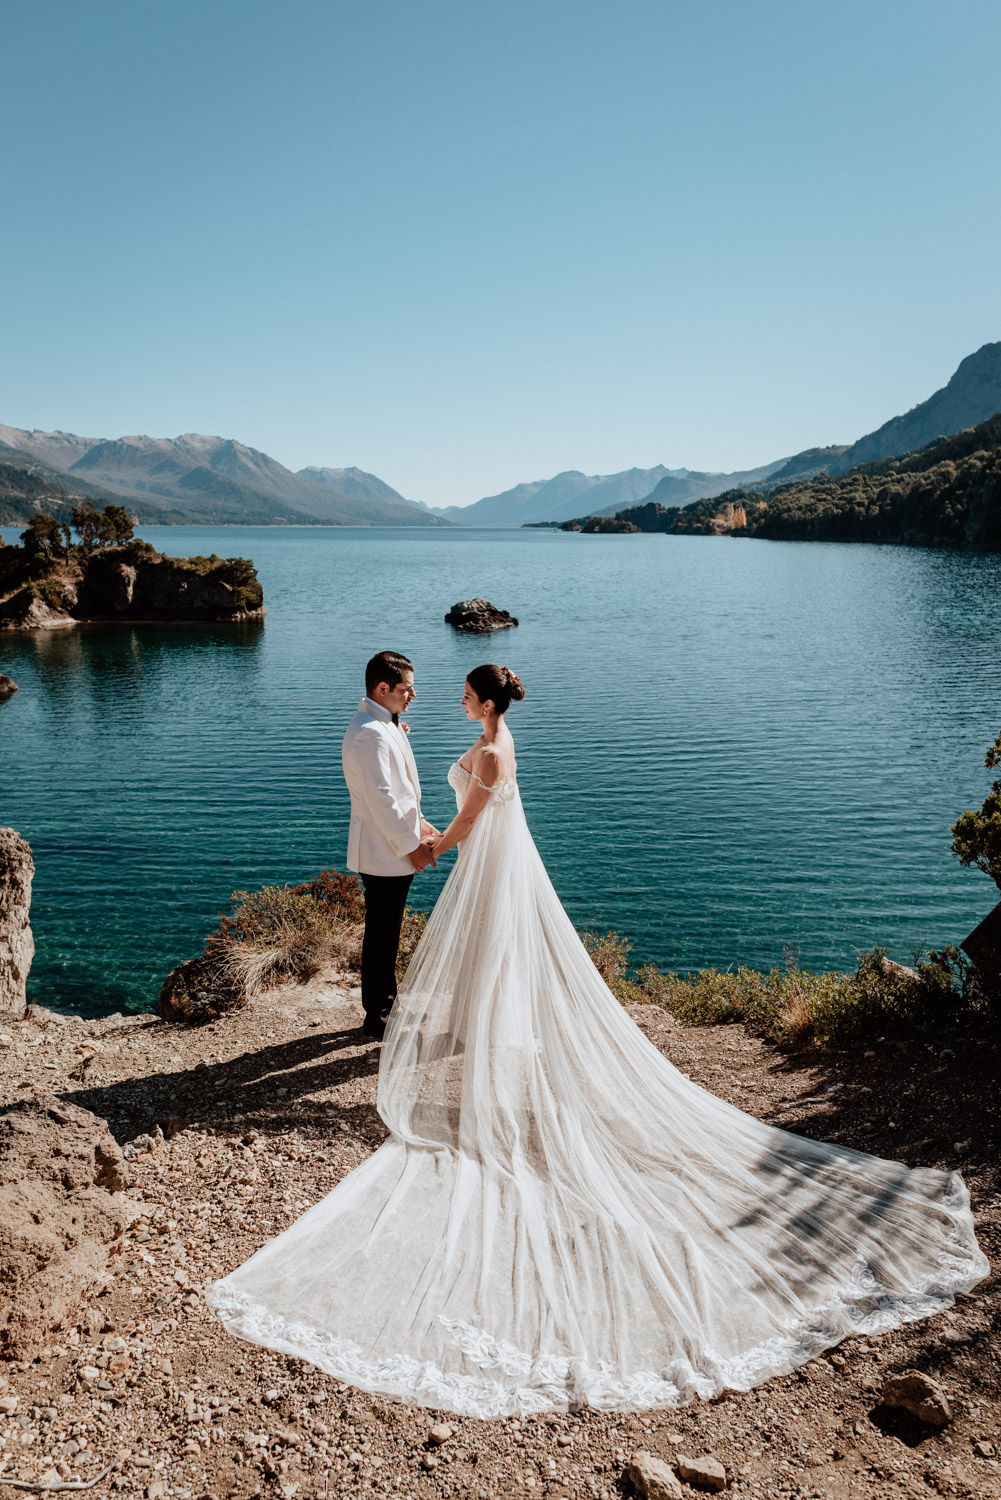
(7, 686)
(983, 948)
(918, 1394)
(62, 1218)
(893, 970)
(479, 616)
(705, 1472)
(198, 990)
(653, 1478)
(17, 946)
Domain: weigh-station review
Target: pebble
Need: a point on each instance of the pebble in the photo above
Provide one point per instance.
(440, 1433)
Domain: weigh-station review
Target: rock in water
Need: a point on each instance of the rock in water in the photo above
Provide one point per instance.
(653, 1478)
(17, 946)
(706, 1472)
(918, 1394)
(61, 1218)
(7, 686)
(479, 616)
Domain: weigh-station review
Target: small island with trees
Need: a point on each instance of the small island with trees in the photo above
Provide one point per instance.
(107, 573)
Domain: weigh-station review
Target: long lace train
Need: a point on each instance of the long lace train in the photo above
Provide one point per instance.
(559, 1215)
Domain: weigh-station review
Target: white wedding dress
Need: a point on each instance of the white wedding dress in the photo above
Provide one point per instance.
(559, 1216)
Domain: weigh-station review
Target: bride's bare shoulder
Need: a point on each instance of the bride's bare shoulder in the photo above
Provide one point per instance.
(485, 764)
(494, 763)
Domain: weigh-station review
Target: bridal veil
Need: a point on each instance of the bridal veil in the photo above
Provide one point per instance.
(559, 1216)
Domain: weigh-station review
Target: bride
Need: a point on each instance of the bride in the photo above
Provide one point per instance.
(559, 1216)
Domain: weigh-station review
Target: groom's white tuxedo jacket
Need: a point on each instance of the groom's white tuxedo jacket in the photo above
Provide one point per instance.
(381, 774)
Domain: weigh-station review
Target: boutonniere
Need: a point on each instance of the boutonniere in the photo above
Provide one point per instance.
(404, 726)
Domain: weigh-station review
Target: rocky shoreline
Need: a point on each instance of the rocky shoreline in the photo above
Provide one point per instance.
(232, 1129)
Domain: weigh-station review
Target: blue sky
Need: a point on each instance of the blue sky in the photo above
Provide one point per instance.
(463, 244)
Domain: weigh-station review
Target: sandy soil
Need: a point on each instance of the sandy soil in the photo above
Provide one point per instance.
(266, 1110)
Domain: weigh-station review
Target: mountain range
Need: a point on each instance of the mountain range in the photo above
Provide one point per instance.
(194, 478)
(203, 479)
(971, 396)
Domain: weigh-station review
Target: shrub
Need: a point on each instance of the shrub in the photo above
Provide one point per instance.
(610, 955)
(976, 836)
(414, 923)
(286, 933)
(339, 893)
(794, 1007)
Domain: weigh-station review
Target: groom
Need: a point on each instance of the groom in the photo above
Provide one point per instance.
(388, 840)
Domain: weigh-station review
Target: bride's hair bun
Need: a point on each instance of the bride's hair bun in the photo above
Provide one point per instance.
(502, 686)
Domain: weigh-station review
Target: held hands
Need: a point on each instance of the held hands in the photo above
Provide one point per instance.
(423, 855)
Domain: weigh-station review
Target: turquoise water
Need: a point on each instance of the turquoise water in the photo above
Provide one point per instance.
(729, 749)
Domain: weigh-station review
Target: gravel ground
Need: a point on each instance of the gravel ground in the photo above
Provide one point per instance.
(264, 1111)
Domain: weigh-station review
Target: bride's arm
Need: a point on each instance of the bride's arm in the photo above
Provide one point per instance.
(482, 779)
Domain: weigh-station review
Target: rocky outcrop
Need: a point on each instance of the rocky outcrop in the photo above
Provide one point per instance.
(479, 616)
(17, 946)
(61, 1218)
(133, 582)
(7, 686)
(198, 990)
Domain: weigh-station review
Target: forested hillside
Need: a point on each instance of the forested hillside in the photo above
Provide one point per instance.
(23, 495)
(945, 494)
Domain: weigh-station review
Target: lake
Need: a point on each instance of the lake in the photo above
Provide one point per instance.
(730, 750)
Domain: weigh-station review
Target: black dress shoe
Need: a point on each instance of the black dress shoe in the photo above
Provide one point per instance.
(373, 1028)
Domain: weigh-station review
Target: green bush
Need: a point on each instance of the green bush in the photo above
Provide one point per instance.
(796, 1008)
(610, 955)
(414, 923)
(976, 836)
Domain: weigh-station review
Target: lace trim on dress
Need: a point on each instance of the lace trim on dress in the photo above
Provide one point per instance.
(503, 790)
(541, 1382)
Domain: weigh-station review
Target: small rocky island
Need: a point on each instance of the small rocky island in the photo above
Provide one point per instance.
(109, 574)
(479, 616)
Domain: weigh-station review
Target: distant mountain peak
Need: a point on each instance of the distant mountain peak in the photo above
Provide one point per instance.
(971, 396)
(357, 484)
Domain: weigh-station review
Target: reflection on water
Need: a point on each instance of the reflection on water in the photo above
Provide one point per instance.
(728, 748)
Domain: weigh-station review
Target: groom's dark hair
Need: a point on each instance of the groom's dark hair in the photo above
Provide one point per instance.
(386, 666)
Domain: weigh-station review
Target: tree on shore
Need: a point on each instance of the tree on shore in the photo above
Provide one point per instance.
(110, 527)
(45, 537)
(976, 836)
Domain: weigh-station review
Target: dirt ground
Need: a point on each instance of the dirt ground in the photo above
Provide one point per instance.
(264, 1111)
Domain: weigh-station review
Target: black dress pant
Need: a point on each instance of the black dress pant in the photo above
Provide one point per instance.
(385, 898)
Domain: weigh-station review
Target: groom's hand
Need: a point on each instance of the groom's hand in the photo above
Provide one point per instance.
(429, 832)
(421, 857)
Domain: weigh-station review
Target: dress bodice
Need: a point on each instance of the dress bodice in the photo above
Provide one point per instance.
(459, 779)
